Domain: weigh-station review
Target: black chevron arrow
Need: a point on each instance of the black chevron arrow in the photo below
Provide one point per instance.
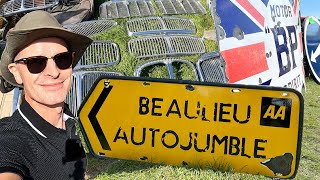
(94, 121)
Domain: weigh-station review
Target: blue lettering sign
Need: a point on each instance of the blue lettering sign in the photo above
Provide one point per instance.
(278, 33)
(281, 11)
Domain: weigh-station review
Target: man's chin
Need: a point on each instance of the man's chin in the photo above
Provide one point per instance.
(47, 97)
(53, 104)
(53, 100)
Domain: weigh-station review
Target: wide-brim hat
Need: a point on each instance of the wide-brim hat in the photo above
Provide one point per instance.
(33, 26)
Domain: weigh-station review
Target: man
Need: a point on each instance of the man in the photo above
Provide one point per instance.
(39, 140)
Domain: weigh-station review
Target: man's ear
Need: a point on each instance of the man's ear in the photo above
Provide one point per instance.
(13, 69)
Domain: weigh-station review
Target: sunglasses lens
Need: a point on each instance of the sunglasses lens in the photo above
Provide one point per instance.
(64, 60)
(37, 64)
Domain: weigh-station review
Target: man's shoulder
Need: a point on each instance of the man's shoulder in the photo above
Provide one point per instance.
(14, 138)
(12, 128)
(13, 121)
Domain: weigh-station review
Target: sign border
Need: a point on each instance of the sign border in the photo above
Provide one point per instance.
(305, 25)
(241, 86)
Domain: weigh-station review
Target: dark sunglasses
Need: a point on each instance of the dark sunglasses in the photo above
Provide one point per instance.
(36, 64)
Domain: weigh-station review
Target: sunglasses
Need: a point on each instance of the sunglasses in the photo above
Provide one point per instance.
(36, 64)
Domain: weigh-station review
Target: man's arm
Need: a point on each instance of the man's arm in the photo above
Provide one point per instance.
(10, 176)
(12, 161)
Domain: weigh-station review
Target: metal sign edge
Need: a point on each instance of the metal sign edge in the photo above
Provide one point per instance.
(300, 96)
(306, 24)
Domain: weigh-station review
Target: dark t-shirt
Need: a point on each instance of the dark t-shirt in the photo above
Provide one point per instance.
(34, 149)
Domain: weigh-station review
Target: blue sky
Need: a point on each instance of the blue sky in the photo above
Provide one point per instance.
(310, 8)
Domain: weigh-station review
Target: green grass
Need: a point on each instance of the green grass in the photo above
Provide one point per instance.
(310, 159)
(309, 167)
(121, 169)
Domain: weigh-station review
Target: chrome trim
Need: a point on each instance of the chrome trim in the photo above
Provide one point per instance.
(99, 54)
(180, 7)
(89, 28)
(215, 69)
(124, 9)
(168, 62)
(160, 25)
(13, 7)
(163, 45)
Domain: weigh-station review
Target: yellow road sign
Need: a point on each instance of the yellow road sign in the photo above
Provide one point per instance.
(249, 129)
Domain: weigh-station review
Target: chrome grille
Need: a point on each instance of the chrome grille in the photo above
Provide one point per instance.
(171, 63)
(160, 25)
(212, 68)
(180, 7)
(99, 54)
(165, 45)
(71, 98)
(19, 6)
(124, 9)
(89, 28)
(82, 82)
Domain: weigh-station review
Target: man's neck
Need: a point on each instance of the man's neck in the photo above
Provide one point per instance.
(52, 114)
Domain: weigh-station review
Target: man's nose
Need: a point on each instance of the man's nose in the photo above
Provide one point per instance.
(52, 69)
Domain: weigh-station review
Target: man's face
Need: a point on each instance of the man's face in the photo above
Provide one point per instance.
(50, 86)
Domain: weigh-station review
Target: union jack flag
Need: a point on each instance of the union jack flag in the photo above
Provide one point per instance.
(245, 57)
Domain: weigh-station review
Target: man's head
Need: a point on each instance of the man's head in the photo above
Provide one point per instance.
(37, 67)
(39, 56)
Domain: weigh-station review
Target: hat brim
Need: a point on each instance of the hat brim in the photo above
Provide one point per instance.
(21, 38)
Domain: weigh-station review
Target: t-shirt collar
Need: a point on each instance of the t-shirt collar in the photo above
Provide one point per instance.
(37, 123)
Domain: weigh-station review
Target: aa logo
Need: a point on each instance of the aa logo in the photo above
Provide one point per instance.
(275, 112)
